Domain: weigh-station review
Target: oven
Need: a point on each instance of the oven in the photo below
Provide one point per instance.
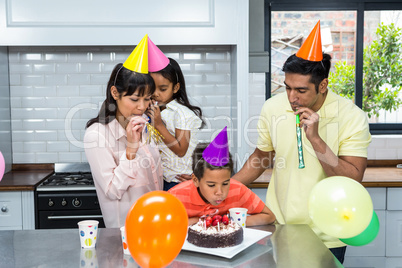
(67, 197)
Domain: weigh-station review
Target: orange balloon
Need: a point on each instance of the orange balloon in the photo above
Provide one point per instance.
(156, 228)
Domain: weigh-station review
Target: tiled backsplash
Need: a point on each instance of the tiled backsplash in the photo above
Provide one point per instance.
(55, 90)
(382, 147)
(385, 147)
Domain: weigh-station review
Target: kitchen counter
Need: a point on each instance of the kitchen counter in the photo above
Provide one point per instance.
(373, 177)
(25, 179)
(286, 247)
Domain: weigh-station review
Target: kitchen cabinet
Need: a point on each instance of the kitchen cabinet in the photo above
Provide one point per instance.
(387, 203)
(386, 249)
(124, 23)
(17, 210)
(75, 22)
(394, 223)
(377, 247)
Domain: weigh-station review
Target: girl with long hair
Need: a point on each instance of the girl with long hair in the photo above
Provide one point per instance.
(177, 120)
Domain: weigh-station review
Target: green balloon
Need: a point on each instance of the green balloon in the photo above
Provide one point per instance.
(365, 237)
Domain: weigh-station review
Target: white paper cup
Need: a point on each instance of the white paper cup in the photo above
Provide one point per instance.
(88, 258)
(124, 240)
(128, 262)
(88, 233)
(239, 216)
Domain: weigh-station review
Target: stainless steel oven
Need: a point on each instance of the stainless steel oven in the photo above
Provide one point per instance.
(67, 197)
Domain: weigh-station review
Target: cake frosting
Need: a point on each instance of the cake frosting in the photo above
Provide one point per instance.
(217, 236)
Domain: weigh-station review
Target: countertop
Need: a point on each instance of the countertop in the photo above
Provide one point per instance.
(373, 177)
(27, 177)
(286, 247)
(23, 180)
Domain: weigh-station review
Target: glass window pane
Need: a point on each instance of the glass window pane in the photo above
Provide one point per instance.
(382, 66)
(338, 34)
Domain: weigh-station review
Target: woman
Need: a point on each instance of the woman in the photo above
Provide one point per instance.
(123, 164)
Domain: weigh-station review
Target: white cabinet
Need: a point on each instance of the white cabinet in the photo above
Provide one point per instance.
(394, 223)
(394, 234)
(17, 210)
(394, 263)
(386, 249)
(77, 22)
(377, 247)
(10, 211)
(366, 262)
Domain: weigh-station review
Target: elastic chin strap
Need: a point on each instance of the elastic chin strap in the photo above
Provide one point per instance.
(117, 73)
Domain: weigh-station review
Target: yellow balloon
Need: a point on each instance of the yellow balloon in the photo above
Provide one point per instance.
(340, 207)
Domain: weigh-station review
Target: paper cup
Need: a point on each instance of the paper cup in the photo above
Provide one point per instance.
(239, 216)
(88, 233)
(124, 241)
(88, 258)
(128, 262)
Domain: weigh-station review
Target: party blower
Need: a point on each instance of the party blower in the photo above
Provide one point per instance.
(299, 142)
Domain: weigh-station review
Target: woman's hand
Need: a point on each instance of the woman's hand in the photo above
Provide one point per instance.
(134, 133)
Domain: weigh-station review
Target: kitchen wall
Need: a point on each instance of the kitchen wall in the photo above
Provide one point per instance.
(55, 90)
(382, 147)
(5, 122)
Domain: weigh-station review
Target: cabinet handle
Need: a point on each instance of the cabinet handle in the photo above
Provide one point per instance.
(75, 217)
(4, 209)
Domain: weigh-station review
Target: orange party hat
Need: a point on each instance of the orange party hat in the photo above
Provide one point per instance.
(311, 49)
(138, 59)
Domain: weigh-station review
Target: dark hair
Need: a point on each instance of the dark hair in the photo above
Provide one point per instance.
(173, 73)
(199, 163)
(319, 70)
(127, 83)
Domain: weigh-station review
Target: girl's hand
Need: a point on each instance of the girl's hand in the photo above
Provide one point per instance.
(154, 112)
(183, 177)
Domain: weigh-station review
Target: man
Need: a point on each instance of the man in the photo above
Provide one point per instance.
(335, 139)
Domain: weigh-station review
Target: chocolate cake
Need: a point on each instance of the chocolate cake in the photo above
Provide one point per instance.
(215, 237)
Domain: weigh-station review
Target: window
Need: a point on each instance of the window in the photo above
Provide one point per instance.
(353, 33)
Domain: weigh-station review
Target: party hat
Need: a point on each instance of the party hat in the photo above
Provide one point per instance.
(311, 49)
(156, 59)
(217, 152)
(138, 59)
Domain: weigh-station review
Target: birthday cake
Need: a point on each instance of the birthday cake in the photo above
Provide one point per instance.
(215, 232)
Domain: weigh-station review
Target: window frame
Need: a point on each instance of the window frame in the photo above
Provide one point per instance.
(360, 6)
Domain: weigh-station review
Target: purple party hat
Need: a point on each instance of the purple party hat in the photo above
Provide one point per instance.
(217, 152)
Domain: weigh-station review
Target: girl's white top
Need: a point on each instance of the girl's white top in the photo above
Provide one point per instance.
(178, 116)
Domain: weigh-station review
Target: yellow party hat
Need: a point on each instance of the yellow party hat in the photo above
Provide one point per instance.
(138, 59)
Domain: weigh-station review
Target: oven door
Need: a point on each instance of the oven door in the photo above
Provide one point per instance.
(67, 219)
(64, 209)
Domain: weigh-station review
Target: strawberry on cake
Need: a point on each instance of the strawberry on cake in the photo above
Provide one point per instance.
(215, 232)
